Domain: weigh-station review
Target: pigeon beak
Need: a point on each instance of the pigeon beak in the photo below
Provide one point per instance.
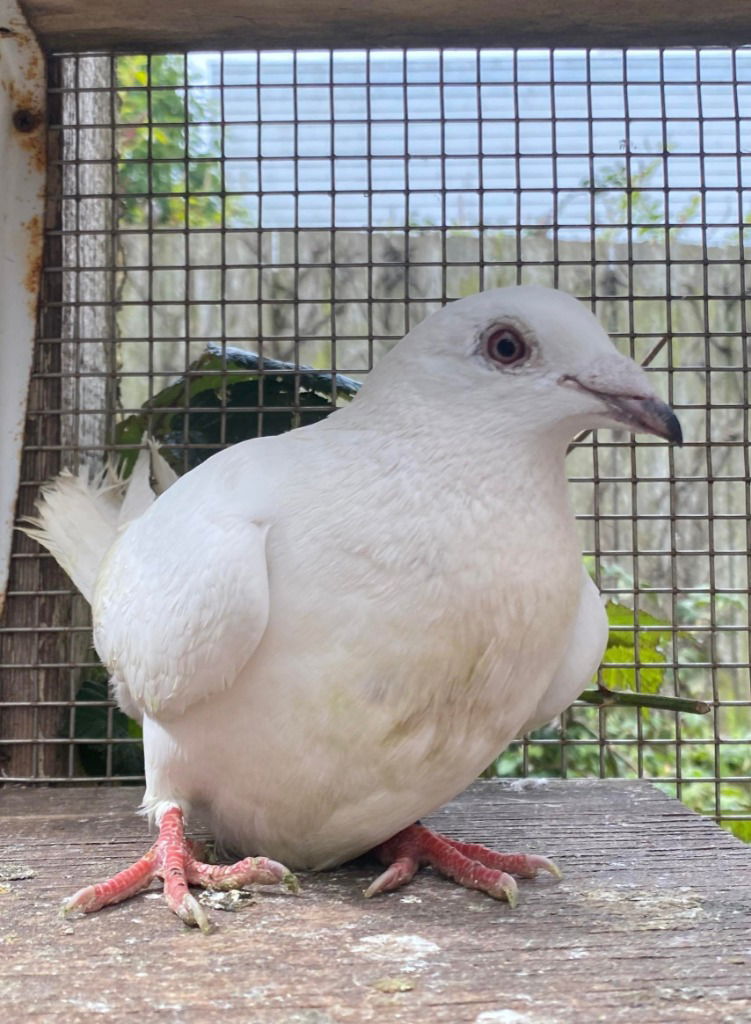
(637, 412)
(647, 414)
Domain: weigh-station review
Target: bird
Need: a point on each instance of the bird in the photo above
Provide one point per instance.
(329, 633)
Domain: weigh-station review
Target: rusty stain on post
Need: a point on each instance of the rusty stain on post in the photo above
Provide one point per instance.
(25, 120)
(23, 145)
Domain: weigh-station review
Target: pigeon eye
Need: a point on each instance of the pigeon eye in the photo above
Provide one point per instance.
(506, 347)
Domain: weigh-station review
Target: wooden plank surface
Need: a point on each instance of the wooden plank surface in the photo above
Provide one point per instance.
(249, 24)
(650, 923)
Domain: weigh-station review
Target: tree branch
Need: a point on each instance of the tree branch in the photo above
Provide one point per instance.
(623, 698)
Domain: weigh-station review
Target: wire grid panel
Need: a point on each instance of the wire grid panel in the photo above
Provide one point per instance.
(309, 207)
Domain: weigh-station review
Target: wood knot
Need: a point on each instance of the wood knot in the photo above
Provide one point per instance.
(25, 120)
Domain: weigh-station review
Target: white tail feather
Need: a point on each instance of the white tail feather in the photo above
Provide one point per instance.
(79, 517)
(163, 475)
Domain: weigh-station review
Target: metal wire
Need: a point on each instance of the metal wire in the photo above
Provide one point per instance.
(311, 207)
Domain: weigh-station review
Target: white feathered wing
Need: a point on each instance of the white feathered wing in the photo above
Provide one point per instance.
(201, 604)
(201, 620)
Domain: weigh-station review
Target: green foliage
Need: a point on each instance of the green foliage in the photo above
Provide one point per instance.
(97, 721)
(169, 171)
(740, 829)
(623, 186)
(545, 759)
(224, 389)
(631, 194)
(635, 650)
(624, 623)
(621, 676)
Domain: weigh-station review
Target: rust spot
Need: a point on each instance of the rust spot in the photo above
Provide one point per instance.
(21, 98)
(34, 250)
(25, 120)
(34, 68)
(26, 93)
(28, 120)
(34, 145)
(26, 42)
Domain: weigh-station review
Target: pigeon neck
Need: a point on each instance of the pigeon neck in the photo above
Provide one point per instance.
(496, 436)
(477, 452)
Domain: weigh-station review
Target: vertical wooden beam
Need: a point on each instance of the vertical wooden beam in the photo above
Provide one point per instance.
(31, 643)
(22, 144)
(43, 635)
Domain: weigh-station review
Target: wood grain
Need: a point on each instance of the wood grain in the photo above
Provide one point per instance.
(243, 24)
(36, 584)
(650, 923)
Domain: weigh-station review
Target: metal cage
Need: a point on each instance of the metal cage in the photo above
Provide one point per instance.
(213, 212)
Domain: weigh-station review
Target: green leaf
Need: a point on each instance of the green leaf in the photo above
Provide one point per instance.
(223, 388)
(740, 829)
(93, 722)
(619, 615)
(651, 668)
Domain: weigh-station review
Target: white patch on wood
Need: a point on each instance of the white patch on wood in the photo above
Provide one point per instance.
(519, 785)
(505, 1017)
(410, 951)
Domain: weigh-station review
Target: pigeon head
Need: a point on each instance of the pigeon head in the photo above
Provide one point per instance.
(537, 354)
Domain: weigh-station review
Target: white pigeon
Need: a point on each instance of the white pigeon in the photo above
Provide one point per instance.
(329, 633)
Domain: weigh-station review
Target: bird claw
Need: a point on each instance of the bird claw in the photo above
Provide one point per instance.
(468, 864)
(384, 883)
(397, 874)
(505, 889)
(378, 885)
(512, 894)
(544, 864)
(73, 905)
(291, 883)
(78, 902)
(191, 913)
(173, 859)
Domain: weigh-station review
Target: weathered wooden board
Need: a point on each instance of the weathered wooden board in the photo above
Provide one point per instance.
(22, 145)
(651, 923)
(236, 24)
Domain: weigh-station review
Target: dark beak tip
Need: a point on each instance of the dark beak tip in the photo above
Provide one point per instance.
(674, 431)
(661, 420)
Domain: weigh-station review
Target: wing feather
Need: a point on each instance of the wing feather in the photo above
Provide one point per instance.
(180, 607)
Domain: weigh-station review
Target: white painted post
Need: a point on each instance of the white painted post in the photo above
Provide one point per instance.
(22, 180)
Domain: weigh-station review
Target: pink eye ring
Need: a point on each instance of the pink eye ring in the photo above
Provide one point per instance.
(506, 346)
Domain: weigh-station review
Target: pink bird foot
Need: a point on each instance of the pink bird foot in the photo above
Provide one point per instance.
(173, 859)
(469, 864)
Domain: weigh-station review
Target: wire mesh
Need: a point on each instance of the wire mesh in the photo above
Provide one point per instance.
(309, 207)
